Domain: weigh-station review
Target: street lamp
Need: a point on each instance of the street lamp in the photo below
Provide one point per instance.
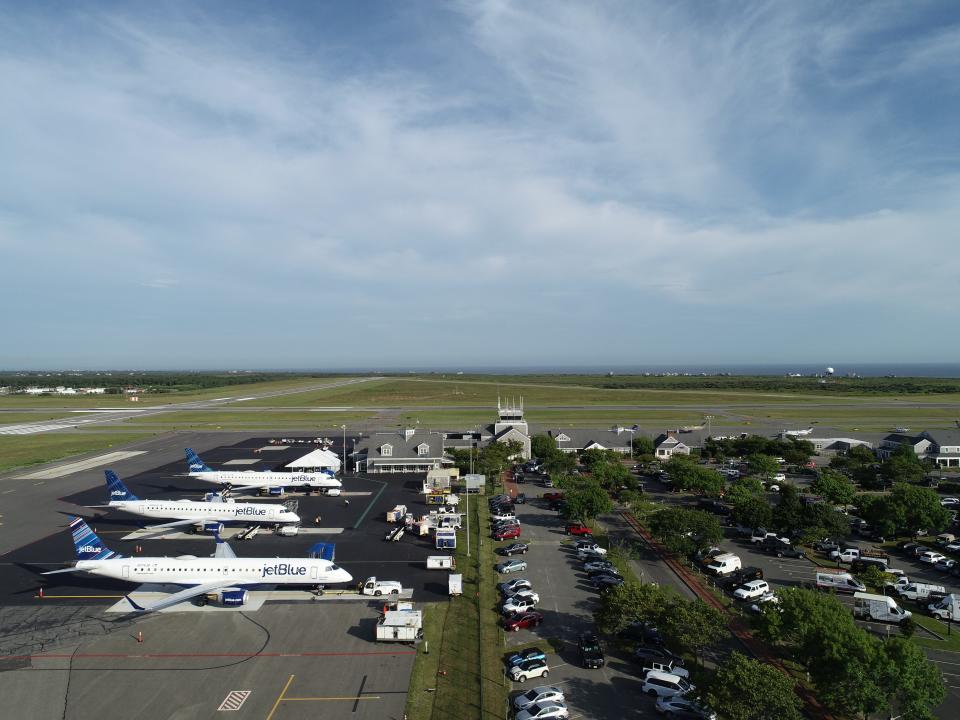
(708, 419)
(631, 431)
(344, 470)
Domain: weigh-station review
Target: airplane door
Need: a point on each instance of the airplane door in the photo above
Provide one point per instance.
(126, 571)
(313, 572)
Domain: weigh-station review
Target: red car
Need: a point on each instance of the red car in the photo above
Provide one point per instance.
(578, 529)
(553, 496)
(528, 619)
(508, 533)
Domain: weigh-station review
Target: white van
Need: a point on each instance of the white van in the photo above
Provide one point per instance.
(920, 591)
(724, 564)
(839, 582)
(878, 607)
(661, 684)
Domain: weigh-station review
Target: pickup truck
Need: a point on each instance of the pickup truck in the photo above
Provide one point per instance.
(372, 586)
(760, 535)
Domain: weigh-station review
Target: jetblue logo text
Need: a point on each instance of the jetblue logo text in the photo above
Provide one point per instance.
(249, 511)
(117, 492)
(283, 569)
(89, 549)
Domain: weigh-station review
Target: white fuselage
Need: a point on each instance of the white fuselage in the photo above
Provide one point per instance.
(266, 479)
(191, 570)
(207, 511)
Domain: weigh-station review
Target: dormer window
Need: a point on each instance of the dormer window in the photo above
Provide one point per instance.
(563, 438)
(423, 449)
(386, 450)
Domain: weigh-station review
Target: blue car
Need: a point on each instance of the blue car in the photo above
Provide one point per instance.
(523, 656)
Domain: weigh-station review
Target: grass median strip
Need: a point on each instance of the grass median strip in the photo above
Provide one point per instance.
(25, 450)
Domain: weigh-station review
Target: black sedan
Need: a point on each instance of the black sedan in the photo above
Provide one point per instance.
(517, 548)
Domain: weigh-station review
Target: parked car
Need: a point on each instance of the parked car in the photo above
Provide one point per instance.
(533, 653)
(782, 550)
(595, 564)
(680, 706)
(512, 587)
(553, 496)
(603, 584)
(519, 603)
(526, 620)
(509, 566)
(644, 653)
(779, 477)
(508, 533)
(760, 534)
(591, 654)
(950, 501)
(930, 557)
(663, 665)
(826, 545)
(739, 577)
(660, 684)
(578, 529)
(544, 693)
(521, 499)
(529, 669)
(543, 711)
(751, 590)
(592, 550)
(945, 565)
(513, 549)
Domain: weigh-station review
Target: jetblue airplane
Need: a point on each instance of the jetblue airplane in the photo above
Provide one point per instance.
(190, 512)
(254, 479)
(223, 572)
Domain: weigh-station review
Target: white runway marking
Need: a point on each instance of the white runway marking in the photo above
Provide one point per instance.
(75, 467)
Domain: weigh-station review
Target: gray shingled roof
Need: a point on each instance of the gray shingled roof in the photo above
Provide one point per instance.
(402, 447)
(583, 437)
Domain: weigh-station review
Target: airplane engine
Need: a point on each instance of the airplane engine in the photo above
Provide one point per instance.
(213, 527)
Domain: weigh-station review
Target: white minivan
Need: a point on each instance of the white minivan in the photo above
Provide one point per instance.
(661, 684)
(724, 564)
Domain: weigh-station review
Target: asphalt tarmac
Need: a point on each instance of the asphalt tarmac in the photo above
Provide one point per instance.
(63, 656)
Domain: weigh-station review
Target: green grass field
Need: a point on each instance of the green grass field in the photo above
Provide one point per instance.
(22, 450)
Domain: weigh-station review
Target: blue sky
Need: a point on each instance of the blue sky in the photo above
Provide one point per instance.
(483, 183)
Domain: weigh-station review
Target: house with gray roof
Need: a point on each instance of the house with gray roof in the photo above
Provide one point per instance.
(667, 445)
(941, 446)
(580, 439)
(403, 451)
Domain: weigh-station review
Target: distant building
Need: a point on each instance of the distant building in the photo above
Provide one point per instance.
(405, 451)
(666, 446)
(832, 446)
(941, 446)
(510, 425)
(576, 440)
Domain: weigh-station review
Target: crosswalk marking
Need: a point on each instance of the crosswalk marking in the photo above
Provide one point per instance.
(234, 700)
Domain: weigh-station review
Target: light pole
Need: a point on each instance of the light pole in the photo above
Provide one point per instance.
(467, 493)
(631, 431)
(708, 418)
(344, 470)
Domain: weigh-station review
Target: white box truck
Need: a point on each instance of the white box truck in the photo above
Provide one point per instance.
(878, 607)
(947, 609)
(400, 626)
(455, 584)
(441, 562)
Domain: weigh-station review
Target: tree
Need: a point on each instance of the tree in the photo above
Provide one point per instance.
(902, 466)
(861, 455)
(905, 509)
(642, 445)
(694, 625)
(797, 451)
(746, 689)
(682, 470)
(542, 447)
(560, 463)
(752, 511)
(834, 487)
(631, 499)
(706, 481)
(821, 521)
(587, 500)
(683, 531)
(631, 603)
(916, 682)
(611, 475)
(762, 465)
(590, 458)
(788, 515)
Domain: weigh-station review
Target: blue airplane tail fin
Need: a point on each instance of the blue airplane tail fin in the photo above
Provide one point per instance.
(87, 544)
(194, 463)
(116, 490)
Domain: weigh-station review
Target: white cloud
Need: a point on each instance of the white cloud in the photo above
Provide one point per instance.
(629, 157)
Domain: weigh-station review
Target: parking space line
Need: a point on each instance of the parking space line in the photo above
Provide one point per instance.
(283, 692)
(348, 697)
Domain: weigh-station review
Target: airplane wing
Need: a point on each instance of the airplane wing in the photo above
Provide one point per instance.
(247, 487)
(176, 523)
(56, 572)
(223, 548)
(179, 597)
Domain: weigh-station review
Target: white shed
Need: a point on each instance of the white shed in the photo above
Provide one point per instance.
(316, 460)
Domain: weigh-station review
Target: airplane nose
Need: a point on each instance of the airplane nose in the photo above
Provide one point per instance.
(345, 577)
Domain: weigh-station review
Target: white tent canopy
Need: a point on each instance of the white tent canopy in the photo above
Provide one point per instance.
(316, 459)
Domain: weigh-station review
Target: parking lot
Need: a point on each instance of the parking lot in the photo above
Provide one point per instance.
(568, 602)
